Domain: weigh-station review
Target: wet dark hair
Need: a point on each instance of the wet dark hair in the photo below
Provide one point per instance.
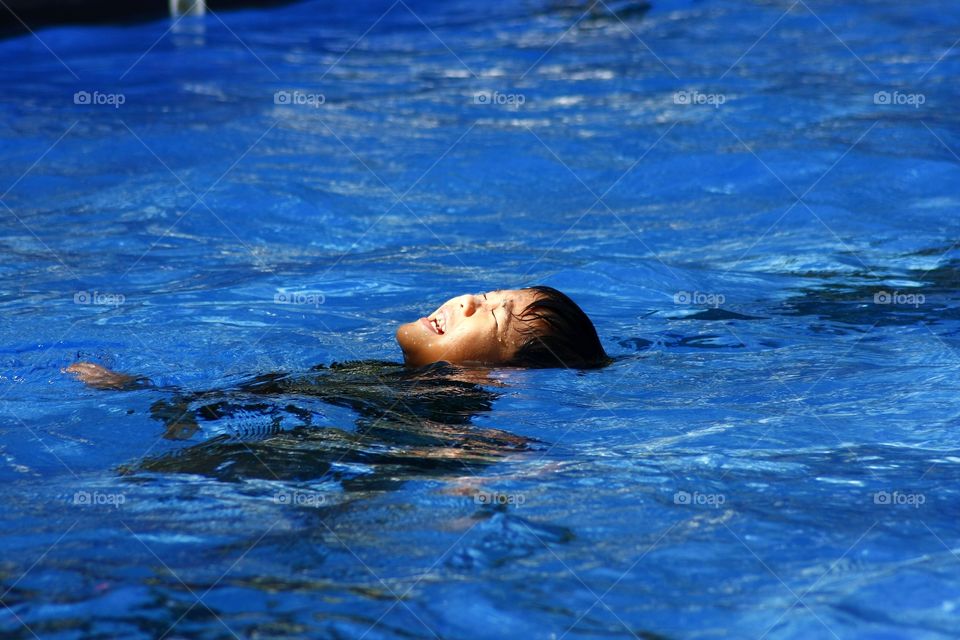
(557, 333)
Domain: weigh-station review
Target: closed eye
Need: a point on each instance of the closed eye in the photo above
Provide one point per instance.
(494, 316)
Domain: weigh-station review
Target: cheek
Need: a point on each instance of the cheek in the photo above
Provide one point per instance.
(474, 345)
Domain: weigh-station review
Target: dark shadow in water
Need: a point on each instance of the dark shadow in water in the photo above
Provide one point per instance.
(841, 303)
(867, 303)
(671, 340)
(598, 12)
(716, 314)
(408, 423)
(19, 16)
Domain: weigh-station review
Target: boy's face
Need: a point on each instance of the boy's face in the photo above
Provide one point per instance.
(469, 329)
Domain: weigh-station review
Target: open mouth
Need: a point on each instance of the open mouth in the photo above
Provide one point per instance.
(438, 322)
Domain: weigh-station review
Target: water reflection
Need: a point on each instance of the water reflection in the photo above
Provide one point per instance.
(405, 423)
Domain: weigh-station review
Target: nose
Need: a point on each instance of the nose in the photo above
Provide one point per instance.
(469, 304)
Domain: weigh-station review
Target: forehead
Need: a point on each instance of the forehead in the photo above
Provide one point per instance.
(519, 297)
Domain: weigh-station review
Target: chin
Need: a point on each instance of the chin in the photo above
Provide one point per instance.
(410, 337)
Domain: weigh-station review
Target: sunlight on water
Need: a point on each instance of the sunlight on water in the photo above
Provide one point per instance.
(755, 202)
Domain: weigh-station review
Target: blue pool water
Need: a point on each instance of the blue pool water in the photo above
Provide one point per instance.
(755, 201)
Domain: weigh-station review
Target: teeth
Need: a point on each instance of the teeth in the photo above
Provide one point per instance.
(439, 322)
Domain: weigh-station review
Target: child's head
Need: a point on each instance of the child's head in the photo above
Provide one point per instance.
(533, 327)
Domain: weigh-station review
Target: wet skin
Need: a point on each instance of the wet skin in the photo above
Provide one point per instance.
(472, 329)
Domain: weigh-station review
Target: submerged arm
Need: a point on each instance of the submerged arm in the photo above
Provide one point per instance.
(180, 419)
(180, 424)
(100, 377)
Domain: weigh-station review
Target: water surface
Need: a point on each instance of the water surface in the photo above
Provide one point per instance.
(765, 242)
